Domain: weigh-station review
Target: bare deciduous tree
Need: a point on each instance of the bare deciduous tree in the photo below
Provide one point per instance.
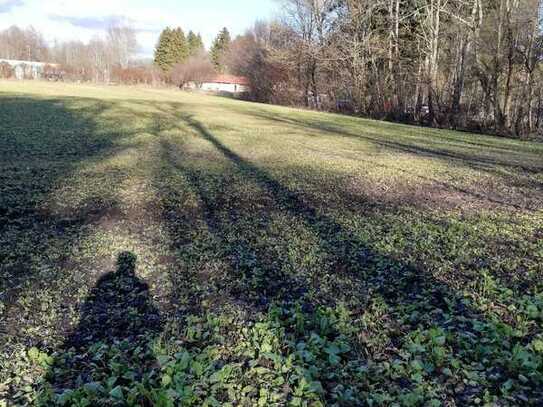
(472, 64)
(122, 44)
(197, 69)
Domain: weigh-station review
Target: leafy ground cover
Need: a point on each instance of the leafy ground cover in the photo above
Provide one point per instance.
(161, 248)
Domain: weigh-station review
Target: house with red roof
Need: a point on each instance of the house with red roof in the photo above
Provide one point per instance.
(226, 84)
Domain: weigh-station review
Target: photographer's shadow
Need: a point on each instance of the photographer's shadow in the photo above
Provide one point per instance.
(117, 325)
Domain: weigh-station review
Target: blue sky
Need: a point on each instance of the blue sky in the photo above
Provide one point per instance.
(84, 19)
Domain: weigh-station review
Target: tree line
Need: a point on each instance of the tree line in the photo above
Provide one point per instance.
(102, 59)
(175, 48)
(464, 64)
(178, 58)
(23, 44)
(185, 59)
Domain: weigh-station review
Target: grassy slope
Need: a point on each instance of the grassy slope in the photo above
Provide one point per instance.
(293, 257)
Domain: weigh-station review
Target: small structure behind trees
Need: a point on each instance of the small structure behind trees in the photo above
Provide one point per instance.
(10, 68)
(193, 72)
(187, 65)
(222, 84)
(107, 59)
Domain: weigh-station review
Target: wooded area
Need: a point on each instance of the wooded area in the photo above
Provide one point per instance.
(460, 64)
(466, 64)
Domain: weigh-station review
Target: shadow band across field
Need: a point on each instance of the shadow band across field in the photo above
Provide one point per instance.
(352, 272)
(348, 257)
(482, 156)
(478, 159)
(43, 142)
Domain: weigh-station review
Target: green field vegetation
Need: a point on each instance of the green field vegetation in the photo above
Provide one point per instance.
(162, 248)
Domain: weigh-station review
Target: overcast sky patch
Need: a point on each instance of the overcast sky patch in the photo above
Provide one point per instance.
(7, 5)
(91, 23)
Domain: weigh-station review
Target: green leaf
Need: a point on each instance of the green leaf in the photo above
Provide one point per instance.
(163, 360)
(117, 393)
(266, 347)
(334, 359)
(261, 370)
(33, 354)
(65, 397)
(111, 381)
(537, 345)
(93, 388)
(197, 368)
(332, 349)
(278, 381)
(532, 311)
(417, 364)
(166, 380)
(184, 360)
(508, 385)
(440, 340)
(316, 387)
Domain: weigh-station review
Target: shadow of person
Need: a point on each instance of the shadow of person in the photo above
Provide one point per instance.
(111, 345)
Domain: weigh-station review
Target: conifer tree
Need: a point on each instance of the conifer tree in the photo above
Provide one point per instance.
(162, 50)
(180, 49)
(195, 43)
(200, 42)
(220, 48)
(172, 48)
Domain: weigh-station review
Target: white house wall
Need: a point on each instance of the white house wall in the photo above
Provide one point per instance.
(224, 87)
(22, 69)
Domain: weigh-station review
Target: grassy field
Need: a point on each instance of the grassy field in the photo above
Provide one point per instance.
(162, 248)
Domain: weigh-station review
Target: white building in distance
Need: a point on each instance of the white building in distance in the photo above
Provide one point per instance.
(27, 69)
(223, 84)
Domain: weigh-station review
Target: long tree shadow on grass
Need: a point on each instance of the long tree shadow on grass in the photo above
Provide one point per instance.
(111, 343)
(351, 259)
(351, 271)
(431, 146)
(258, 276)
(43, 144)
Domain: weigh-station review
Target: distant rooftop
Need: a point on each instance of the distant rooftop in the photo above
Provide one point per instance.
(236, 80)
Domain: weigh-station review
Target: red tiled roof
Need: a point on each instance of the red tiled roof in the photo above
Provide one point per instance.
(236, 80)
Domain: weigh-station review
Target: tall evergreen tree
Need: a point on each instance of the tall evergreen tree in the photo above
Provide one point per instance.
(180, 48)
(172, 48)
(162, 50)
(220, 48)
(200, 42)
(195, 43)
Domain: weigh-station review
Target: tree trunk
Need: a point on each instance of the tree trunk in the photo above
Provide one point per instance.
(435, 19)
